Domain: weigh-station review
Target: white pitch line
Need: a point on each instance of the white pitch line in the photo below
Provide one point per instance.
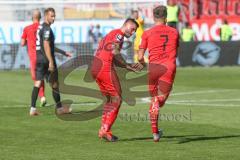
(202, 92)
(183, 102)
(194, 103)
(177, 102)
(204, 104)
(205, 100)
(148, 99)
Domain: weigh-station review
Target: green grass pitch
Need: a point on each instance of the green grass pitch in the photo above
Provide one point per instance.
(200, 121)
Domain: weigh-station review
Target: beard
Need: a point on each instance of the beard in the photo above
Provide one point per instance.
(127, 35)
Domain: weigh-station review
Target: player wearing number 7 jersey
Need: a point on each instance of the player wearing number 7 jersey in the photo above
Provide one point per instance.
(162, 43)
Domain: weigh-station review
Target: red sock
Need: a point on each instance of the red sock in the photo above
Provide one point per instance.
(156, 103)
(104, 115)
(41, 90)
(111, 112)
(154, 112)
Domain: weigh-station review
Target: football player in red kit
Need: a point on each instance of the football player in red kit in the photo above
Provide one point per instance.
(29, 39)
(108, 54)
(162, 43)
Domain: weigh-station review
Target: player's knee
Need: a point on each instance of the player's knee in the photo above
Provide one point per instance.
(37, 83)
(117, 100)
(161, 99)
(54, 85)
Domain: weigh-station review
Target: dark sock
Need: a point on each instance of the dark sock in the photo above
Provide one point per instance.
(56, 97)
(34, 96)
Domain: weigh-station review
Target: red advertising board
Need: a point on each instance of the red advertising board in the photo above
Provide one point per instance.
(206, 17)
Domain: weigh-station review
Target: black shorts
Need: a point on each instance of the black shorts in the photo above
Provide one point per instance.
(42, 72)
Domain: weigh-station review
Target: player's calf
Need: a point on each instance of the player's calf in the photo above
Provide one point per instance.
(110, 112)
(60, 108)
(34, 96)
(156, 103)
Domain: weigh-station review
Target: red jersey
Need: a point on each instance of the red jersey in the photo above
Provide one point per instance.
(29, 34)
(162, 43)
(105, 49)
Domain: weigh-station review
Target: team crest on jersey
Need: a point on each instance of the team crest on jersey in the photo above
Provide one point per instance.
(119, 37)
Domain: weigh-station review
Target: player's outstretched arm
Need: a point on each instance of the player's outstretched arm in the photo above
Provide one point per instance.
(141, 61)
(58, 50)
(141, 55)
(119, 60)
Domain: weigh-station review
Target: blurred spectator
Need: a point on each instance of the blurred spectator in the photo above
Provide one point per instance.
(172, 13)
(97, 36)
(225, 31)
(90, 35)
(94, 36)
(188, 33)
(97, 33)
(140, 20)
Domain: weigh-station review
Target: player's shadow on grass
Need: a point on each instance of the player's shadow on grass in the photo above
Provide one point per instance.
(205, 138)
(162, 139)
(182, 139)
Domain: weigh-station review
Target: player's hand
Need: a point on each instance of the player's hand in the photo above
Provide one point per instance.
(51, 67)
(138, 66)
(68, 54)
(128, 67)
(131, 67)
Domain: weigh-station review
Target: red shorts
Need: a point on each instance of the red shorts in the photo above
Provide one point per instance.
(108, 83)
(160, 78)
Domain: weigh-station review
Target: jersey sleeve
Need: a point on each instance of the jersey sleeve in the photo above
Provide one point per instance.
(144, 41)
(46, 33)
(24, 34)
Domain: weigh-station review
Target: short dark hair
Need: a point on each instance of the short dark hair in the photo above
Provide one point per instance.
(49, 10)
(134, 11)
(131, 20)
(225, 21)
(160, 12)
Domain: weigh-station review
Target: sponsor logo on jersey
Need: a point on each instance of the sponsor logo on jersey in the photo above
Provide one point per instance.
(119, 37)
(46, 35)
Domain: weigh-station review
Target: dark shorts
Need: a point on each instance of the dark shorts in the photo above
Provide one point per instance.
(43, 73)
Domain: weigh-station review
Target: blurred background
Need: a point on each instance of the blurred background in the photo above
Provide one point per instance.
(209, 29)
